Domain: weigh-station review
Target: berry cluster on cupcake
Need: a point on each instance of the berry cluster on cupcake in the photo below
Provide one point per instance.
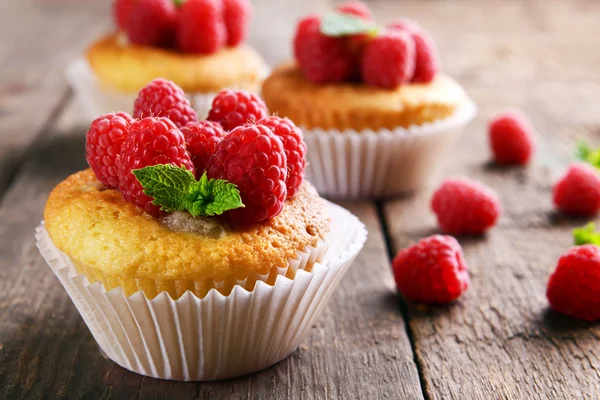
(203, 232)
(375, 109)
(198, 44)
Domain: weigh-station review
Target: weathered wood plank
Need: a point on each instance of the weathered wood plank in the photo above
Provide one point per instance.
(37, 40)
(358, 348)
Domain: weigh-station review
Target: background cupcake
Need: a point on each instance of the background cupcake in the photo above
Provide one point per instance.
(376, 112)
(199, 45)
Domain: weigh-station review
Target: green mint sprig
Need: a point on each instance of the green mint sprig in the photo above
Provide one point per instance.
(585, 152)
(176, 189)
(586, 235)
(337, 24)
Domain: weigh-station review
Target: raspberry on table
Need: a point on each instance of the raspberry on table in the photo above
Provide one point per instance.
(151, 22)
(253, 158)
(103, 142)
(511, 138)
(432, 271)
(121, 11)
(389, 60)
(232, 108)
(236, 14)
(574, 286)
(427, 63)
(200, 27)
(578, 191)
(202, 138)
(295, 150)
(323, 58)
(356, 8)
(464, 206)
(163, 98)
(151, 141)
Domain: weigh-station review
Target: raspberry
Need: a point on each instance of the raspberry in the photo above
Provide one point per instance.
(427, 63)
(121, 11)
(103, 142)
(389, 60)
(511, 138)
(578, 191)
(162, 98)
(237, 16)
(151, 141)
(463, 206)
(574, 286)
(200, 27)
(432, 271)
(356, 8)
(151, 22)
(232, 108)
(322, 58)
(202, 138)
(295, 150)
(253, 158)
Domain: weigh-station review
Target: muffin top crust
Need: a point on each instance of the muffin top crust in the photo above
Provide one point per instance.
(128, 67)
(357, 106)
(96, 227)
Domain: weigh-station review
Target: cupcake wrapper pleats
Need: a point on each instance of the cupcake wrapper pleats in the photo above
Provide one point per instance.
(218, 336)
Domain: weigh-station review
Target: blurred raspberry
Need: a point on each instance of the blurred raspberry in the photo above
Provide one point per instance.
(253, 158)
(578, 191)
(232, 108)
(511, 138)
(103, 143)
(427, 63)
(121, 11)
(237, 15)
(151, 22)
(200, 27)
(163, 98)
(389, 60)
(356, 8)
(151, 141)
(202, 138)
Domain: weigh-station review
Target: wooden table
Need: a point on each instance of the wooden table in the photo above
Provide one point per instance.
(498, 341)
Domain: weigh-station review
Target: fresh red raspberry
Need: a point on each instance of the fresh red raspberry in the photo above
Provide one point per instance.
(151, 141)
(511, 138)
(356, 8)
(151, 22)
(200, 27)
(323, 58)
(427, 63)
(574, 286)
(103, 143)
(578, 191)
(232, 108)
(389, 60)
(432, 271)
(121, 11)
(463, 206)
(163, 98)
(253, 158)
(202, 138)
(295, 150)
(237, 19)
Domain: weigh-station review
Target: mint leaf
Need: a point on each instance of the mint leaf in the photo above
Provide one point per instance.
(167, 184)
(586, 235)
(175, 189)
(586, 153)
(336, 24)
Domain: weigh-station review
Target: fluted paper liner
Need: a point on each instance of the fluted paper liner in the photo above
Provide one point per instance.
(379, 164)
(218, 336)
(97, 100)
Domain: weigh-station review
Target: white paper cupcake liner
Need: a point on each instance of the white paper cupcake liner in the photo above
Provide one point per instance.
(379, 164)
(218, 336)
(97, 100)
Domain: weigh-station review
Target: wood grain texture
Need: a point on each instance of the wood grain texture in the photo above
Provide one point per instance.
(37, 40)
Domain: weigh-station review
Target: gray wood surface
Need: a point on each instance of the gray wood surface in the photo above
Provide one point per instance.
(498, 341)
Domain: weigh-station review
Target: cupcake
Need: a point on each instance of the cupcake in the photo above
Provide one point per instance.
(198, 44)
(200, 252)
(376, 112)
